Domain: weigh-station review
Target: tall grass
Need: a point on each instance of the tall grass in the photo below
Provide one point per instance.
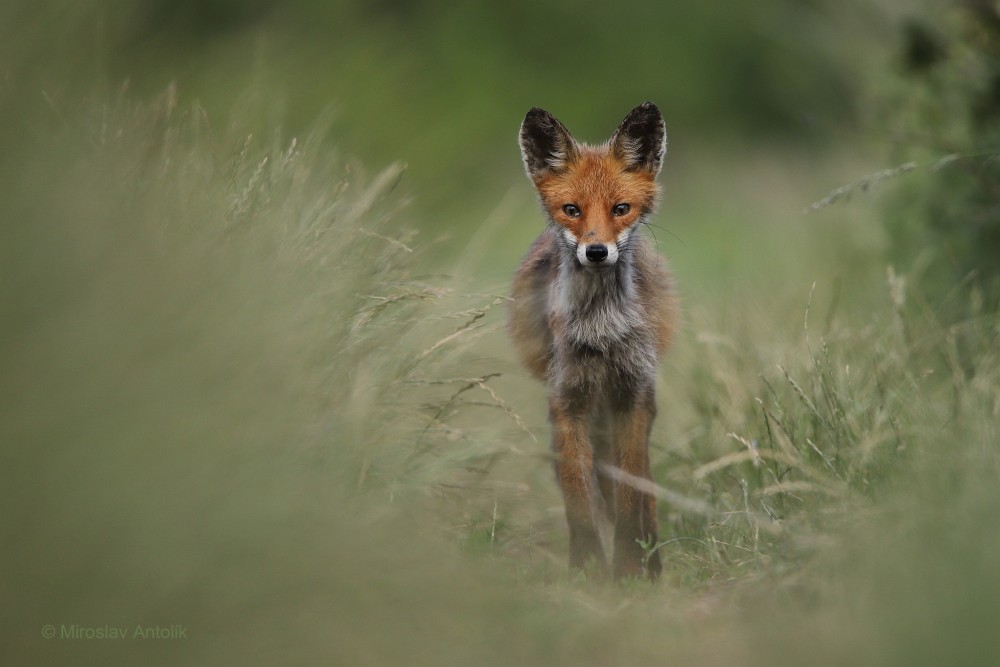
(211, 345)
(235, 399)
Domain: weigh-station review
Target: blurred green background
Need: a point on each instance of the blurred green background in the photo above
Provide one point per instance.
(253, 374)
(442, 86)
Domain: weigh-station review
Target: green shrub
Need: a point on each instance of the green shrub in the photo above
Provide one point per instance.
(941, 107)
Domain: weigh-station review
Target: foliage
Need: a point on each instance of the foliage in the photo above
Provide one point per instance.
(942, 109)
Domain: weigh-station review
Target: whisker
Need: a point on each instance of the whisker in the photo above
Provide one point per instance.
(651, 226)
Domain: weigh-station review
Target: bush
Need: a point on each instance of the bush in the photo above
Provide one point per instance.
(942, 105)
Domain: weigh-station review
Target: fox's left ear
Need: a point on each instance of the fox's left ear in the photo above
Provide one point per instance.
(641, 139)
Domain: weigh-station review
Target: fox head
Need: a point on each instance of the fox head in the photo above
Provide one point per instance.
(596, 194)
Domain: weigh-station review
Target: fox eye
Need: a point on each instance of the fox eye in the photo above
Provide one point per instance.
(572, 210)
(621, 209)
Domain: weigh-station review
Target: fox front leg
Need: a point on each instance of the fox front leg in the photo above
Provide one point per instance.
(574, 463)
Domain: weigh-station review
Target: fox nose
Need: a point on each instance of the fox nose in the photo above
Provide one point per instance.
(597, 252)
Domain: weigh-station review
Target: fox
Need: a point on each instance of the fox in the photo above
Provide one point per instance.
(592, 310)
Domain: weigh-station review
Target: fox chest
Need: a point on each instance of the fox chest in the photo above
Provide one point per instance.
(601, 342)
(599, 311)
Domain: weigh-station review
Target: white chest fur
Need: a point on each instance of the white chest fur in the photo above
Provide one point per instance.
(597, 308)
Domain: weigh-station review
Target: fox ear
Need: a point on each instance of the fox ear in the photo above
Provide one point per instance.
(546, 144)
(641, 139)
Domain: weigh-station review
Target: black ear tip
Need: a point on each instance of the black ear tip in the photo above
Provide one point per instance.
(647, 110)
(536, 113)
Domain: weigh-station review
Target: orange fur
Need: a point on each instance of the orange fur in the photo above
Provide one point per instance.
(596, 182)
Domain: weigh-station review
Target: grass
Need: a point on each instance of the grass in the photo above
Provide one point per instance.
(236, 398)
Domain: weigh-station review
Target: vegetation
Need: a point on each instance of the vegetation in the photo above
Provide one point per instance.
(246, 389)
(941, 112)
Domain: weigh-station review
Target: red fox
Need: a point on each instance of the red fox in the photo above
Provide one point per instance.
(593, 309)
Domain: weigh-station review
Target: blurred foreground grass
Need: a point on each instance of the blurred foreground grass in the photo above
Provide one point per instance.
(234, 399)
